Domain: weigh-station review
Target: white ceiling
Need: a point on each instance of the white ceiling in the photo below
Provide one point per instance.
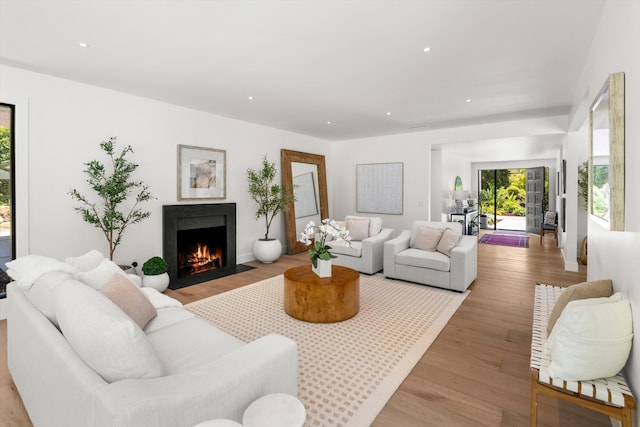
(308, 62)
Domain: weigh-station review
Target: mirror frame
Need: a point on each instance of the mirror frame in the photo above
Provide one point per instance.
(612, 96)
(286, 158)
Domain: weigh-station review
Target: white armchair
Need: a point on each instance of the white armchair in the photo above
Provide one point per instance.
(403, 260)
(366, 252)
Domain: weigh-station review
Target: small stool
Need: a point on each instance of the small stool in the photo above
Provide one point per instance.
(219, 423)
(275, 410)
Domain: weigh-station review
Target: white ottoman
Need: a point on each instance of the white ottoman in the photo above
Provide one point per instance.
(275, 410)
(219, 423)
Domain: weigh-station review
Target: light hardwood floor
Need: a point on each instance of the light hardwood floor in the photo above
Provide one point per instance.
(476, 373)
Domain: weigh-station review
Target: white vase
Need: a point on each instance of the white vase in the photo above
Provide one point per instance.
(160, 282)
(323, 269)
(267, 251)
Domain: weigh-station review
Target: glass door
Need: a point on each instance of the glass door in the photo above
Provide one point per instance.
(7, 189)
(502, 198)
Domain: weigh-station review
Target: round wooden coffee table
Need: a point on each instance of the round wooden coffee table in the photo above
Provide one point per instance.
(321, 300)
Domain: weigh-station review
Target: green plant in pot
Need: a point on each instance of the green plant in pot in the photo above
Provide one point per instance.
(271, 199)
(155, 273)
(112, 184)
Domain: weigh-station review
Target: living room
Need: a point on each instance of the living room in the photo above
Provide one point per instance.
(66, 120)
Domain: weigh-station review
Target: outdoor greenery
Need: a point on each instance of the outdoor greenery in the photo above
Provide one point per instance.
(583, 184)
(511, 193)
(112, 185)
(5, 165)
(271, 198)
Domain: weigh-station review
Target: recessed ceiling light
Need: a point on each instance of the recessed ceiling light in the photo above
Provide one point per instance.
(250, 98)
(427, 49)
(83, 44)
(467, 101)
(388, 113)
(328, 123)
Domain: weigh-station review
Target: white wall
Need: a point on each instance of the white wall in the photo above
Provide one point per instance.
(615, 254)
(66, 122)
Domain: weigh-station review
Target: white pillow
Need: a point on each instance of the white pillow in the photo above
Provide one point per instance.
(591, 339)
(42, 291)
(28, 268)
(99, 276)
(427, 238)
(86, 262)
(103, 335)
(358, 228)
(375, 223)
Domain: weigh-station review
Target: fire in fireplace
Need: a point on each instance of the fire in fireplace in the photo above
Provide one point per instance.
(201, 250)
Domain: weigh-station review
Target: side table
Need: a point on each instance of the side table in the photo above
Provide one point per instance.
(321, 300)
(275, 410)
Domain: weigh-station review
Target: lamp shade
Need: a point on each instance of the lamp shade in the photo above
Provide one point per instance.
(459, 195)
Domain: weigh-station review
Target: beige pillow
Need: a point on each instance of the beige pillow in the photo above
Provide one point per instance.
(358, 228)
(427, 238)
(448, 241)
(595, 289)
(130, 299)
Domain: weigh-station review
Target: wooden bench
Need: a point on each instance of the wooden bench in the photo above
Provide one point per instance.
(609, 396)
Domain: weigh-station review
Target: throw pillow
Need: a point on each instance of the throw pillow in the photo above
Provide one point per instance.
(448, 241)
(358, 228)
(375, 223)
(102, 335)
(594, 289)
(427, 238)
(28, 268)
(42, 291)
(130, 299)
(86, 262)
(99, 276)
(550, 218)
(591, 339)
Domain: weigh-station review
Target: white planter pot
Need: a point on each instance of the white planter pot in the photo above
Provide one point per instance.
(160, 282)
(267, 251)
(323, 269)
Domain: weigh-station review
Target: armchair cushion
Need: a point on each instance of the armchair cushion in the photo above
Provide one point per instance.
(358, 228)
(375, 223)
(424, 259)
(342, 248)
(427, 238)
(449, 240)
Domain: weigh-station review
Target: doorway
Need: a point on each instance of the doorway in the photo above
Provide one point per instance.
(502, 196)
(7, 190)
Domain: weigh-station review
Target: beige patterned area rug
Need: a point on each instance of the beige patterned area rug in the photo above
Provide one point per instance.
(348, 370)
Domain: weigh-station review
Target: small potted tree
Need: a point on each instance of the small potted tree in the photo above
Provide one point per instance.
(155, 274)
(271, 199)
(112, 184)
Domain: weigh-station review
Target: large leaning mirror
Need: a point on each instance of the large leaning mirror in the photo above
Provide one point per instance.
(307, 174)
(606, 118)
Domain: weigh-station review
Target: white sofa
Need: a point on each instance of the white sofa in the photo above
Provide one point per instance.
(405, 262)
(204, 372)
(366, 252)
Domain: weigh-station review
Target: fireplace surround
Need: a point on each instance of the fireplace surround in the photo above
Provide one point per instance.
(199, 242)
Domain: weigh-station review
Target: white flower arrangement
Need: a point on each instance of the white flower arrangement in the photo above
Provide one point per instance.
(318, 235)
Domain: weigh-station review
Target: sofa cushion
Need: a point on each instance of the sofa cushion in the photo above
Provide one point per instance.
(427, 238)
(340, 247)
(28, 268)
(42, 291)
(190, 344)
(103, 335)
(99, 276)
(591, 339)
(593, 289)
(424, 259)
(87, 261)
(358, 228)
(448, 241)
(167, 316)
(130, 299)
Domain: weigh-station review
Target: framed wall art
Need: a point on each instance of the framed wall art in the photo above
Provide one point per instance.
(201, 173)
(379, 188)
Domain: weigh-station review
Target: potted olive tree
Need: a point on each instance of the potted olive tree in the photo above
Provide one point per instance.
(155, 273)
(271, 199)
(112, 184)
